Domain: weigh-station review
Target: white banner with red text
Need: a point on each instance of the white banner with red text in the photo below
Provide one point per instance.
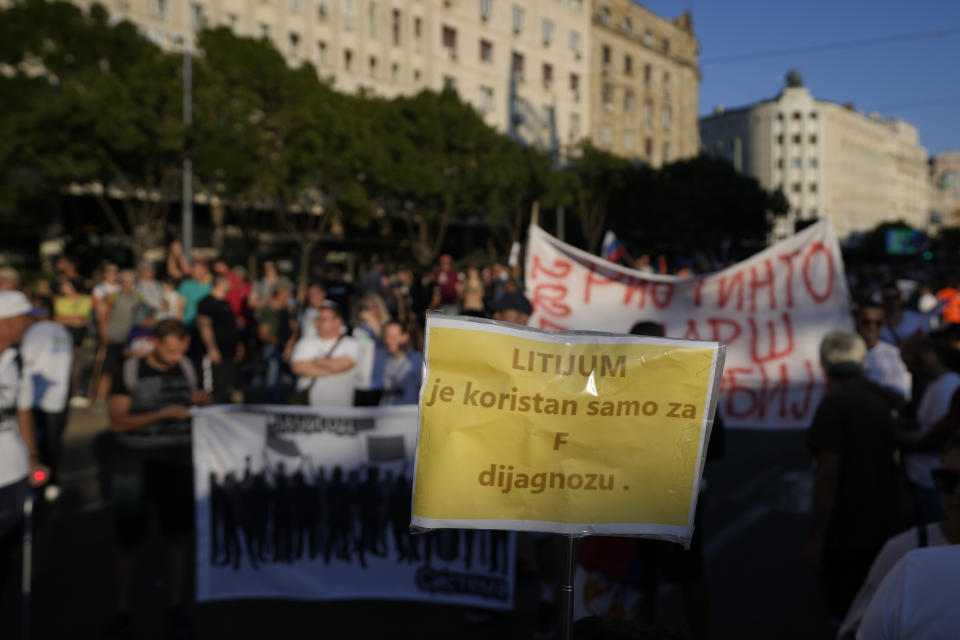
(771, 311)
(305, 503)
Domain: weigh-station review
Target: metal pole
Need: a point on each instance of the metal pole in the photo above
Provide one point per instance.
(566, 589)
(26, 578)
(186, 220)
(560, 224)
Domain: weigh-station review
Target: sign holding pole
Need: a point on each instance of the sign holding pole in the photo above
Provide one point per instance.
(577, 433)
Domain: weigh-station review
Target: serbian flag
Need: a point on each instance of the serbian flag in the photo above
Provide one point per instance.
(613, 250)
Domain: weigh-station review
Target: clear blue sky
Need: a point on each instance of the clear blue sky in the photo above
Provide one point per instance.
(917, 80)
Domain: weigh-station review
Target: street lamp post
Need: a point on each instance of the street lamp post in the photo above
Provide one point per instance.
(186, 220)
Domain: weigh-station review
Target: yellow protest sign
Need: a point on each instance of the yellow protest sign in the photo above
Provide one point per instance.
(569, 432)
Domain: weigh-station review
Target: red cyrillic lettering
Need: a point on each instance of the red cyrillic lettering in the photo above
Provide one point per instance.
(772, 354)
(788, 258)
(561, 268)
(664, 286)
(769, 283)
(592, 281)
(551, 304)
(716, 323)
(724, 293)
(691, 332)
(818, 247)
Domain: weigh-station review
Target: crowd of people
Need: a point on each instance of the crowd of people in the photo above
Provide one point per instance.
(884, 438)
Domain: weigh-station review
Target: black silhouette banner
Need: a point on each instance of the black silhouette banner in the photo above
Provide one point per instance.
(314, 504)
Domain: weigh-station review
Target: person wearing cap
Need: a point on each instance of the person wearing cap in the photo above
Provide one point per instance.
(46, 353)
(20, 465)
(852, 440)
(513, 307)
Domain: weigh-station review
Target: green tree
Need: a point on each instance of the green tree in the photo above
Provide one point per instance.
(100, 110)
(593, 179)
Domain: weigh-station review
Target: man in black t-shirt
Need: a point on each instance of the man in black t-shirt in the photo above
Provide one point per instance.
(220, 335)
(149, 407)
(855, 482)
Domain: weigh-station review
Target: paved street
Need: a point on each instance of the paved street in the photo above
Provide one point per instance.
(754, 520)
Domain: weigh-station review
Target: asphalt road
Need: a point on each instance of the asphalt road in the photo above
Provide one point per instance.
(755, 522)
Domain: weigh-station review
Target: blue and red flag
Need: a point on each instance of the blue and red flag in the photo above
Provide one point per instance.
(613, 250)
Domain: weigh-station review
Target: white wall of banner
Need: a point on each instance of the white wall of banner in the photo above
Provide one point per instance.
(771, 311)
(314, 504)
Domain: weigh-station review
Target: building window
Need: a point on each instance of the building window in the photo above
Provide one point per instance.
(607, 92)
(628, 141)
(780, 139)
(372, 19)
(547, 29)
(263, 31)
(416, 77)
(647, 74)
(322, 9)
(574, 132)
(813, 116)
(232, 22)
(486, 99)
(797, 187)
(322, 53)
(813, 138)
(606, 135)
(395, 26)
(648, 147)
(628, 65)
(547, 75)
(797, 115)
(813, 212)
(349, 14)
(294, 6)
(575, 43)
(574, 83)
(348, 60)
(647, 40)
(779, 163)
(607, 55)
(667, 117)
(629, 99)
(666, 45)
(796, 138)
(486, 10)
(666, 152)
(197, 19)
(813, 163)
(395, 73)
(450, 39)
(517, 19)
(666, 83)
(158, 8)
(516, 65)
(294, 45)
(780, 116)
(449, 83)
(372, 66)
(648, 113)
(796, 163)
(813, 187)
(626, 25)
(486, 51)
(605, 15)
(417, 31)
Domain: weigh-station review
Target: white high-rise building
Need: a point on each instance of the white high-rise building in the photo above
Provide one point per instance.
(829, 159)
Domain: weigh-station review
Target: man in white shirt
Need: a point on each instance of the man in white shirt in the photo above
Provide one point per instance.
(901, 323)
(919, 353)
(917, 599)
(882, 363)
(19, 463)
(326, 365)
(46, 353)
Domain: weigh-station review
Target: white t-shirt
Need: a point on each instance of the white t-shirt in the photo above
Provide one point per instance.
(308, 322)
(894, 549)
(14, 457)
(105, 290)
(335, 390)
(918, 598)
(47, 355)
(911, 323)
(884, 366)
(933, 405)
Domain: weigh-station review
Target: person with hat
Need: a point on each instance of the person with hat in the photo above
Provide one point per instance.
(513, 307)
(20, 465)
(852, 440)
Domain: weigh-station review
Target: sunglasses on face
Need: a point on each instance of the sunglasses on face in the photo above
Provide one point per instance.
(946, 480)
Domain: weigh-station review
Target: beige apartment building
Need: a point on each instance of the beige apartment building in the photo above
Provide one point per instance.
(644, 83)
(829, 159)
(522, 64)
(945, 188)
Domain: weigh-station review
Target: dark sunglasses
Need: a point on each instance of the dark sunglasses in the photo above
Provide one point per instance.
(946, 480)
